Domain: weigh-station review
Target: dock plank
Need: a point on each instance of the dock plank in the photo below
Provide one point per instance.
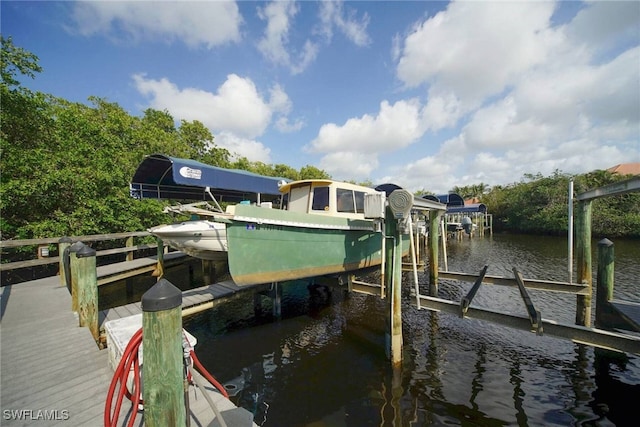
(49, 363)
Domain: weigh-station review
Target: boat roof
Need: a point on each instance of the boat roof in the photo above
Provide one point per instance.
(284, 188)
(470, 208)
(163, 177)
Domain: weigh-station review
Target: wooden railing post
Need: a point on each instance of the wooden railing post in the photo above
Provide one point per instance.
(604, 283)
(128, 244)
(162, 370)
(583, 261)
(63, 246)
(434, 223)
(88, 290)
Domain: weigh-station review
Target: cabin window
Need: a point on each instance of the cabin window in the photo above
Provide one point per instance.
(359, 202)
(345, 200)
(320, 199)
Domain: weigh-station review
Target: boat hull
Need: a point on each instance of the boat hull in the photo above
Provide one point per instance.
(200, 239)
(269, 245)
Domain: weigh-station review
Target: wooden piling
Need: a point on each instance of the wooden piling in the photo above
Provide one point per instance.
(583, 261)
(162, 370)
(73, 273)
(88, 290)
(63, 245)
(208, 271)
(393, 283)
(604, 283)
(434, 223)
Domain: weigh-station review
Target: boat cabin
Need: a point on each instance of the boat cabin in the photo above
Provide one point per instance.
(325, 197)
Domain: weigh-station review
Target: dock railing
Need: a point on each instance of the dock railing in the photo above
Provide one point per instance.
(50, 250)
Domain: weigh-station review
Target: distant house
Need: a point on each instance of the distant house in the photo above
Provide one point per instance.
(626, 169)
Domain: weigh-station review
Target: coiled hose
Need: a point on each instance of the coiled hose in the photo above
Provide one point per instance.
(119, 388)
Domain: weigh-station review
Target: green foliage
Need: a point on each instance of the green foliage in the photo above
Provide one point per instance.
(539, 204)
(66, 166)
(16, 60)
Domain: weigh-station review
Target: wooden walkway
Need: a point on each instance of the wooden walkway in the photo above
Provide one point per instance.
(193, 300)
(52, 368)
(122, 270)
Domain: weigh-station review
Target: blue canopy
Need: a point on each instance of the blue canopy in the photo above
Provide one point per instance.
(470, 208)
(451, 199)
(163, 177)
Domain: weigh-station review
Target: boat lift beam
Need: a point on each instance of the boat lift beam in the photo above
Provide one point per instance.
(579, 334)
(534, 315)
(466, 301)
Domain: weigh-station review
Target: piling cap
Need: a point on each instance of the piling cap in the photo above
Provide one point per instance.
(76, 246)
(85, 252)
(65, 239)
(605, 242)
(162, 296)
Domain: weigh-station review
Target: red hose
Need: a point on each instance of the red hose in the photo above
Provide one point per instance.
(128, 361)
(120, 376)
(208, 376)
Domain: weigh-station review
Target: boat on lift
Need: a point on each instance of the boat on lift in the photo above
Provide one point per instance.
(323, 227)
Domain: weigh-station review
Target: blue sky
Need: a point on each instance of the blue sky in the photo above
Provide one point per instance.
(427, 95)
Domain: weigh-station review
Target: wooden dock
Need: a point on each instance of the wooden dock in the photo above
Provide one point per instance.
(193, 300)
(54, 373)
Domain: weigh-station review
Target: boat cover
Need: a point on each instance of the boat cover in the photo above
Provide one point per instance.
(451, 199)
(470, 208)
(163, 177)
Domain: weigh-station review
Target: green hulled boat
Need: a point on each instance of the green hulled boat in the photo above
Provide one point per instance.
(321, 230)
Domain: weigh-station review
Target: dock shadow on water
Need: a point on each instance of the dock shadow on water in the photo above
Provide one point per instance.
(323, 363)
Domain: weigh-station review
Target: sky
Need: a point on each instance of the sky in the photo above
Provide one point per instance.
(426, 95)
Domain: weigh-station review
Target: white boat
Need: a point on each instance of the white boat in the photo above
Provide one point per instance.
(199, 238)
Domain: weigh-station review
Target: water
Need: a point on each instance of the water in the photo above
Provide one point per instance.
(323, 364)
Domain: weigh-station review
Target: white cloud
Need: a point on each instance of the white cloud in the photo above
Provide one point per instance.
(275, 42)
(394, 126)
(236, 107)
(333, 14)
(526, 96)
(242, 147)
(602, 23)
(195, 23)
(277, 47)
(475, 49)
(349, 164)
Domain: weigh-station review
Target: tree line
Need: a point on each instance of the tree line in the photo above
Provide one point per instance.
(539, 204)
(66, 168)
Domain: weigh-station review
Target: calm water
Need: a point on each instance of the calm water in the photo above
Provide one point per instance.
(323, 364)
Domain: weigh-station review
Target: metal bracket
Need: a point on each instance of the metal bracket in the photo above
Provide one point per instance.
(466, 301)
(534, 315)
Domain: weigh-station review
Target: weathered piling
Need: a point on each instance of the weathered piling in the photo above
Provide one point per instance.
(604, 284)
(162, 370)
(393, 282)
(583, 261)
(63, 246)
(73, 273)
(88, 290)
(434, 223)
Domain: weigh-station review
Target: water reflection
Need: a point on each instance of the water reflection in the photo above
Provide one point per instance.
(323, 364)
